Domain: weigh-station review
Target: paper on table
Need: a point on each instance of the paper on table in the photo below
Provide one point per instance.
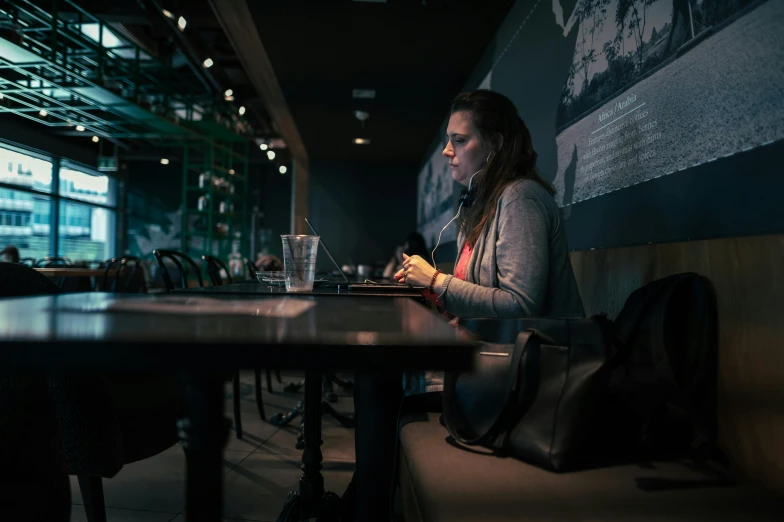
(283, 308)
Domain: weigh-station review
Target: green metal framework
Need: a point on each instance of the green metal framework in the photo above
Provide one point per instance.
(221, 220)
(67, 70)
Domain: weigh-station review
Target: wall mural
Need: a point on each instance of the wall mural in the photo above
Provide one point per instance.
(625, 91)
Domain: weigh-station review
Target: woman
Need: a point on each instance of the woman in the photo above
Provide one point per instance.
(513, 261)
(414, 245)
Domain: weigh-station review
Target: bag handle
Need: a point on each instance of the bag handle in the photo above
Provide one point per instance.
(453, 418)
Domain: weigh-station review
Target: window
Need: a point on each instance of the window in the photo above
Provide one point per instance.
(17, 222)
(25, 171)
(86, 232)
(93, 188)
(85, 203)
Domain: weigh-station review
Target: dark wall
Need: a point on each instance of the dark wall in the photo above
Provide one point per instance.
(271, 191)
(362, 213)
(698, 160)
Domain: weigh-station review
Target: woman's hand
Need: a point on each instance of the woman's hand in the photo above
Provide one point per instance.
(416, 271)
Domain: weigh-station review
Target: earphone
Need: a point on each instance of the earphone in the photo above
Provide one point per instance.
(466, 199)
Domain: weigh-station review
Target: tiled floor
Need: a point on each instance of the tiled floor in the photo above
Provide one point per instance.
(260, 469)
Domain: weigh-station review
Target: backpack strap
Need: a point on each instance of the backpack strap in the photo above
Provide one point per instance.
(474, 401)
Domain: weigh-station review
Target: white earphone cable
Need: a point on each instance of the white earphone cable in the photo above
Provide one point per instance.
(433, 253)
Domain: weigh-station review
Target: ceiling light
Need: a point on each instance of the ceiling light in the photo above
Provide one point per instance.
(164, 161)
(228, 93)
(95, 139)
(80, 128)
(263, 146)
(367, 94)
(42, 112)
(167, 14)
(229, 98)
(282, 169)
(231, 171)
(1, 95)
(242, 110)
(181, 23)
(271, 154)
(361, 141)
(207, 63)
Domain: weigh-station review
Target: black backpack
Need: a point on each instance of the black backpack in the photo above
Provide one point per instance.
(661, 397)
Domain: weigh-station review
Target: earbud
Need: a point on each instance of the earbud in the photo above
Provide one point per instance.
(466, 199)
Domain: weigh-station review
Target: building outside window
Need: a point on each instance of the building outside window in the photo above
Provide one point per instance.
(86, 229)
(85, 201)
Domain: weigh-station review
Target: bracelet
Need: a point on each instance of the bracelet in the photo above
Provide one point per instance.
(433, 280)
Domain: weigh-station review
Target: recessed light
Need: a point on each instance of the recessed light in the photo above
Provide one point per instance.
(207, 63)
(1, 96)
(263, 146)
(361, 141)
(363, 94)
(271, 154)
(164, 161)
(228, 93)
(95, 139)
(42, 112)
(242, 110)
(80, 128)
(282, 169)
(167, 14)
(181, 23)
(231, 171)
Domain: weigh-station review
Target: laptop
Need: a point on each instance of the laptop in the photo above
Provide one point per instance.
(367, 285)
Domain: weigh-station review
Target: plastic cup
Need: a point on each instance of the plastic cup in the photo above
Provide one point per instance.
(299, 261)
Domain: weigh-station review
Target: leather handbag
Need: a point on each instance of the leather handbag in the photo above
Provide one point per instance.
(535, 386)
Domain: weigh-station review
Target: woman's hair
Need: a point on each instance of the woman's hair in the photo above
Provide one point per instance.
(416, 245)
(512, 156)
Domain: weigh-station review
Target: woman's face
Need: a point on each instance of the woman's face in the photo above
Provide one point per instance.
(464, 148)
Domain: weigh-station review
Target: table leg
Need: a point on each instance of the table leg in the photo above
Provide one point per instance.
(204, 433)
(310, 500)
(377, 399)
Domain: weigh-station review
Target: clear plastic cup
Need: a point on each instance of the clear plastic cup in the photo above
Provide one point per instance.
(299, 261)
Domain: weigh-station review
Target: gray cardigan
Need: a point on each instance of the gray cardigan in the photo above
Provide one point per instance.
(519, 267)
(520, 264)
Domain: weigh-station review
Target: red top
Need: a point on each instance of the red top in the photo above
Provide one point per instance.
(460, 272)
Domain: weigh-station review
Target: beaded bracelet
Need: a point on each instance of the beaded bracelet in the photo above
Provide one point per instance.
(433, 280)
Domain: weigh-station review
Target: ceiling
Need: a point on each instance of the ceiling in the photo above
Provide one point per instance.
(143, 22)
(417, 55)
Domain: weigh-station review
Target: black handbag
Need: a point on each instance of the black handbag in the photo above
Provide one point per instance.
(535, 386)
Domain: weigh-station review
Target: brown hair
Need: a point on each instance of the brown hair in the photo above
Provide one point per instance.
(512, 157)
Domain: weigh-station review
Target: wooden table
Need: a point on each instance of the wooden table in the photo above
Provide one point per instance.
(99, 331)
(257, 289)
(67, 271)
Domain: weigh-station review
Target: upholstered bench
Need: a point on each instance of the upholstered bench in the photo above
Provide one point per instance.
(443, 483)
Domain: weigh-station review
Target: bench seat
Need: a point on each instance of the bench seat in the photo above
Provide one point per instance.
(443, 483)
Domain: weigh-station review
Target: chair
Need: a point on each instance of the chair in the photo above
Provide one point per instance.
(128, 278)
(28, 261)
(17, 280)
(34, 484)
(51, 262)
(214, 267)
(184, 269)
(106, 421)
(251, 268)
